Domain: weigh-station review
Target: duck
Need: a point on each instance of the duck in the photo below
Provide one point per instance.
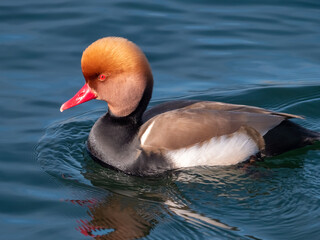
(176, 134)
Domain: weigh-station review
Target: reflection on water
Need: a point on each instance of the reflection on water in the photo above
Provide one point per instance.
(137, 205)
(117, 218)
(120, 217)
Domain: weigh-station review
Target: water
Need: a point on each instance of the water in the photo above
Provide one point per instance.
(264, 53)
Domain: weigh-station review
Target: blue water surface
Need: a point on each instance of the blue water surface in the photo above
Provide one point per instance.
(261, 53)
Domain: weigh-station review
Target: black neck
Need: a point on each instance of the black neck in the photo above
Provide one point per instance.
(113, 140)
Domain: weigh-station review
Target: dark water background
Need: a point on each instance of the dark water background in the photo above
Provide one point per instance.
(262, 53)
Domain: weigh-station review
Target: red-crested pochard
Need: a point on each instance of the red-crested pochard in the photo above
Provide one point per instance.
(174, 134)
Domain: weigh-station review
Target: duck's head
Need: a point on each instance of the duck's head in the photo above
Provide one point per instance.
(116, 71)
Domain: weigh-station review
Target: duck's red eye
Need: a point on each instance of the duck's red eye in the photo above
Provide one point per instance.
(102, 77)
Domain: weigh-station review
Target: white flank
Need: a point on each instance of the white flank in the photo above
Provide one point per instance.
(224, 150)
(146, 133)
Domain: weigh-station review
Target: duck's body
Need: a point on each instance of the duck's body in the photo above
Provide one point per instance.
(169, 137)
(174, 134)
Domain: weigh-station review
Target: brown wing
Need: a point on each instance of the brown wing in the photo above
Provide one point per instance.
(237, 108)
(204, 120)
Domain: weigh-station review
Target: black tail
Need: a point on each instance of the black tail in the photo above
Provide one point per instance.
(288, 136)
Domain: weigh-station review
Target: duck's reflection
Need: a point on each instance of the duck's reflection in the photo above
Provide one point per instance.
(136, 206)
(117, 217)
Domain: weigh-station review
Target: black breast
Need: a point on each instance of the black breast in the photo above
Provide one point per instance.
(113, 142)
